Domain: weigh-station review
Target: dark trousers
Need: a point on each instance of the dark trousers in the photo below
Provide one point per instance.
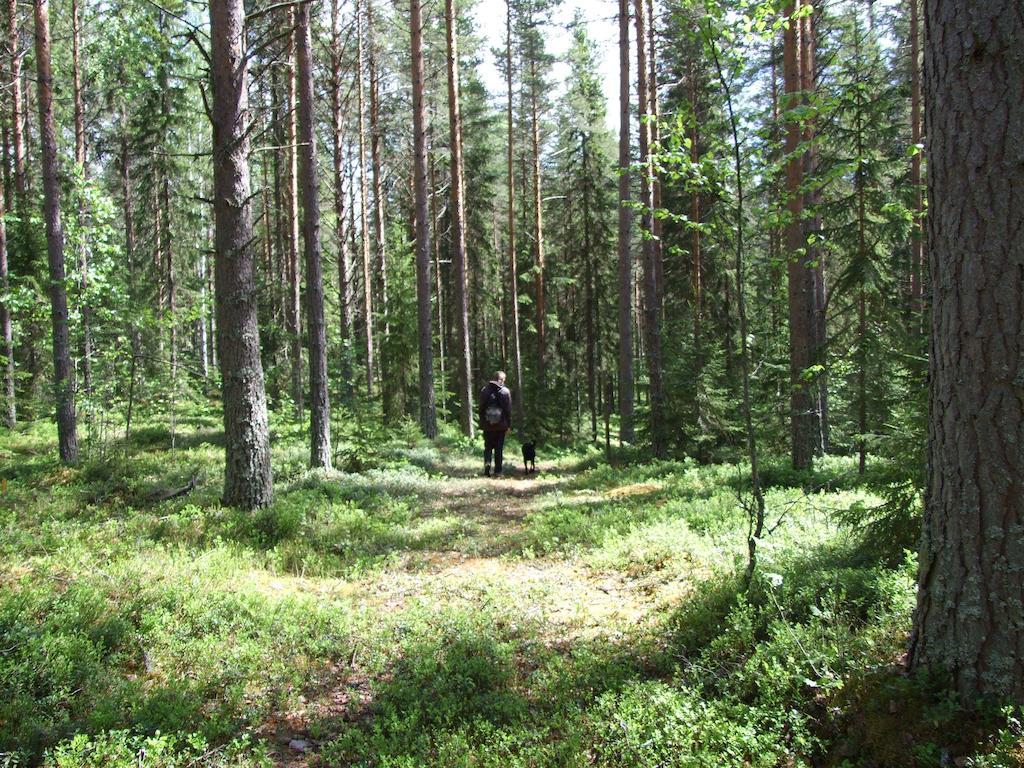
(494, 442)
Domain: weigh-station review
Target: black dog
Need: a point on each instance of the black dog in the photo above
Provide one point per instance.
(529, 458)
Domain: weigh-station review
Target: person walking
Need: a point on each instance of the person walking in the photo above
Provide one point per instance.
(495, 421)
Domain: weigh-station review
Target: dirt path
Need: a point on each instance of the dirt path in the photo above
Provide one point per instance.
(569, 599)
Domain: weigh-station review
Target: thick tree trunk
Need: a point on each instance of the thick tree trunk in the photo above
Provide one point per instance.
(800, 278)
(626, 433)
(364, 233)
(513, 266)
(969, 620)
(63, 378)
(428, 414)
(247, 473)
(652, 291)
(467, 413)
(316, 328)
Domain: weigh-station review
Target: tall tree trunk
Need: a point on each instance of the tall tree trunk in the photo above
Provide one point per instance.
(652, 291)
(10, 415)
(428, 414)
(169, 277)
(292, 197)
(517, 392)
(364, 229)
(654, 110)
(17, 109)
(18, 152)
(316, 328)
(812, 227)
(201, 335)
(247, 474)
(63, 371)
(376, 164)
(969, 620)
(590, 310)
(696, 263)
(467, 412)
(859, 184)
(338, 155)
(10, 412)
(917, 229)
(800, 278)
(626, 433)
(435, 242)
(756, 513)
(83, 247)
(134, 332)
(538, 234)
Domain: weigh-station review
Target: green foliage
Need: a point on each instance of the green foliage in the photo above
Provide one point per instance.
(121, 749)
(597, 617)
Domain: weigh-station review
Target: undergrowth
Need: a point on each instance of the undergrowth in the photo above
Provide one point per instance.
(403, 629)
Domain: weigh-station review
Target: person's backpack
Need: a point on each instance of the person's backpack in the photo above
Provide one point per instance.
(493, 413)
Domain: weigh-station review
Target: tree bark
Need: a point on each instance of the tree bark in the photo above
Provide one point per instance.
(654, 110)
(652, 291)
(10, 414)
(467, 413)
(428, 414)
(800, 278)
(538, 233)
(812, 227)
(292, 198)
(63, 378)
(376, 164)
(17, 108)
(345, 299)
(513, 266)
(134, 332)
(626, 432)
(969, 620)
(83, 248)
(364, 233)
(247, 474)
(316, 329)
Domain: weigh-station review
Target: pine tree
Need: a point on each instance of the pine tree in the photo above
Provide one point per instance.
(63, 379)
(968, 621)
(247, 474)
(319, 401)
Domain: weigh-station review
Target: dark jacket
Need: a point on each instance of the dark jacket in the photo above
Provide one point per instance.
(504, 397)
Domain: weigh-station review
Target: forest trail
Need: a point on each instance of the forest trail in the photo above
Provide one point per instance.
(566, 601)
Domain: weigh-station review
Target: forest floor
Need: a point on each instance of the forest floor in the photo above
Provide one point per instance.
(406, 611)
(568, 601)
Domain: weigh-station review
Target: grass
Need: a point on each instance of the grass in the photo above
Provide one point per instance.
(404, 612)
